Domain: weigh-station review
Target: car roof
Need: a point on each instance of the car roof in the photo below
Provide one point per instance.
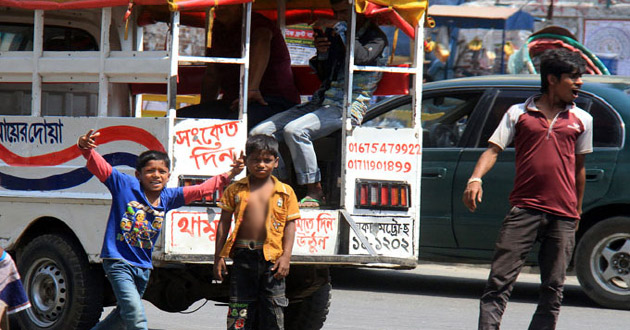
(617, 82)
(611, 88)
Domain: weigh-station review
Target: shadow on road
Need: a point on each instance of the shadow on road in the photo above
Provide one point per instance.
(406, 282)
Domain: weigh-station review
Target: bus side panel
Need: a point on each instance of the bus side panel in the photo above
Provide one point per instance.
(189, 232)
(43, 174)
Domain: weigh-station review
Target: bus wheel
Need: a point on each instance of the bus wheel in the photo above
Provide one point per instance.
(309, 313)
(64, 290)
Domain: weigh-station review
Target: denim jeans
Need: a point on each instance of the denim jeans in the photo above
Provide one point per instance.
(298, 127)
(257, 299)
(520, 230)
(128, 283)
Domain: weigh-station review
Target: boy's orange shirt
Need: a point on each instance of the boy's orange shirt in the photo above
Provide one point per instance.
(283, 207)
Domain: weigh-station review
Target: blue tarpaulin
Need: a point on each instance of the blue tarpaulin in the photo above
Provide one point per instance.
(472, 17)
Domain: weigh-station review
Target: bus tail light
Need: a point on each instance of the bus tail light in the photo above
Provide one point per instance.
(191, 180)
(382, 195)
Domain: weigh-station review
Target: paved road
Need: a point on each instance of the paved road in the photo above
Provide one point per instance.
(432, 297)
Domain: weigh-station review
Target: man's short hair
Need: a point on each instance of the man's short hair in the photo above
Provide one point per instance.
(150, 155)
(261, 142)
(558, 61)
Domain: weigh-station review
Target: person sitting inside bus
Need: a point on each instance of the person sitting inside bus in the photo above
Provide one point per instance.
(302, 124)
(271, 88)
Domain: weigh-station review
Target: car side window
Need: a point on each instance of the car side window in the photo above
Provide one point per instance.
(607, 127)
(502, 103)
(399, 117)
(445, 116)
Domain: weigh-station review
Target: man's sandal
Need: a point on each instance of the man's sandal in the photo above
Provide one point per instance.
(309, 202)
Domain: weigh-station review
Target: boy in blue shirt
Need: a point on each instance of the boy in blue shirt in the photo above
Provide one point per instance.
(135, 220)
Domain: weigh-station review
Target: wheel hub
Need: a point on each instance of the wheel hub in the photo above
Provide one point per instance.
(611, 263)
(47, 290)
(621, 263)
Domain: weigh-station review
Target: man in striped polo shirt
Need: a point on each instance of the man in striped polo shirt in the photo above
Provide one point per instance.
(551, 137)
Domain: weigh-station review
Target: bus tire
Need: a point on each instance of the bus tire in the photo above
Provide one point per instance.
(64, 289)
(311, 312)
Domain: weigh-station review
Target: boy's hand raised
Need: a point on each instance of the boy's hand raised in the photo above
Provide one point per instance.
(88, 141)
(238, 164)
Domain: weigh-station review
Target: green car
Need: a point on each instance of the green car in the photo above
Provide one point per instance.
(458, 117)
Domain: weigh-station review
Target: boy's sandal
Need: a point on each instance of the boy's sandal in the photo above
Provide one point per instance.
(309, 202)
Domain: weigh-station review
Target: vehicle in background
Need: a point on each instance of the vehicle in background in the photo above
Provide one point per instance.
(458, 118)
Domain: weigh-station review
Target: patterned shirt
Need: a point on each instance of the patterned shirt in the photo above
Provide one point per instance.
(370, 49)
(283, 207)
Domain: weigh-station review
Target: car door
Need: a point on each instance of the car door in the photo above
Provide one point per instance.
(479, 230)
(447, 115)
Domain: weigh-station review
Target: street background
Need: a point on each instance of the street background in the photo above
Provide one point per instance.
(431, 297)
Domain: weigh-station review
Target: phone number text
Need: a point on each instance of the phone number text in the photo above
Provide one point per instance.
(385, 148)
(379, 165)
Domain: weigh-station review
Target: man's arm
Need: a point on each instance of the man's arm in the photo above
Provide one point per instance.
(580, 180)
(210, 84)
(282, 264)
(474, 191)
(219, 268)
(261, 48)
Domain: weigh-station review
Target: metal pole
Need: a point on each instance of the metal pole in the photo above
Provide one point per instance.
(347, 99)
(174, 56)
(38, 40)
(103, 81)
(246, 34)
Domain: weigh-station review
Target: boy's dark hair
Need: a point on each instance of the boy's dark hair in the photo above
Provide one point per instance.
(150, 155)
(558, 61)
(261, 142)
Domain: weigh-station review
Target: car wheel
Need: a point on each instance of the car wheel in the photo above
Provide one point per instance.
(602, 262)
(65, 292)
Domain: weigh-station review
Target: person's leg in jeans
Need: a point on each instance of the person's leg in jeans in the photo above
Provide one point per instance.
(275, 124)
(257, 112)
(272, 300)
(299, 136)
(128, 283)
(516, 238)
(557, 242)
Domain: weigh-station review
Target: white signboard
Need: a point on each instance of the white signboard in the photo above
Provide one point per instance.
(206, 147)
(188, 231)
(388, 236)
(316, 232)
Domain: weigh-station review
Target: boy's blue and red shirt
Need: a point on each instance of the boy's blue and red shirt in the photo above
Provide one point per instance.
(134, 224)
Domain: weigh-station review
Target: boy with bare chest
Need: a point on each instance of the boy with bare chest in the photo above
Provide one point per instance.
(261, 242)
